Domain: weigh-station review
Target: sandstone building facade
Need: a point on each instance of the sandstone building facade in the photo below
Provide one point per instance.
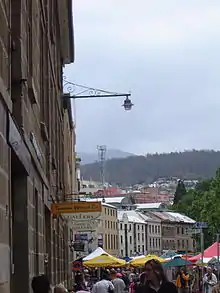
(36, 41)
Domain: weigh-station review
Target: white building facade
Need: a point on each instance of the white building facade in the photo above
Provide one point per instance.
(132, 234)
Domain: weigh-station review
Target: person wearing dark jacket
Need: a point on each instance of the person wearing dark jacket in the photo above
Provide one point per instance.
(40, 284)
(156, 280)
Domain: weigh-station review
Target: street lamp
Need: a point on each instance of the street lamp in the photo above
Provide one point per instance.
(77, 91)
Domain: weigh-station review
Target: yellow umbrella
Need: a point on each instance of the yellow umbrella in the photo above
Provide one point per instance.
(104, 260)
(140, 262)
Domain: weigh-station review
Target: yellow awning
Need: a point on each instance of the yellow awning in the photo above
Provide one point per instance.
(104, 260)
(140, 262)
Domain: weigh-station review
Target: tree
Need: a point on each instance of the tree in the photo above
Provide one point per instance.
(180, 192)
(203, 205)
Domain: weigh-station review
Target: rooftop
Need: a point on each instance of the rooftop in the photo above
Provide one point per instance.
(133, 216)
(173, 217)
(103, 203)
(154, 205)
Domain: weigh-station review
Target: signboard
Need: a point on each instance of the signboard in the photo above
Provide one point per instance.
(82, 217)
(76, 207)
(85, 226)
(79, 246)
(201, 225)
(193, 231)
(82, 237)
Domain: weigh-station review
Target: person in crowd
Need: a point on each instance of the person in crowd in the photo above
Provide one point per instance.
(132, 275)
(140, 285)
(41, 284)
(103, 286)
(60, 289)
(209, 280)
(182, 280)
(126, 280)
(88, 282)
(156, 280)
(118, 283)
(80, 283)
(134, 284)
(216, 288)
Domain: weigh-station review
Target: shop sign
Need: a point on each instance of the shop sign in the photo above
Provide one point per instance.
(79, 217)
(76, 207)
(85, 226)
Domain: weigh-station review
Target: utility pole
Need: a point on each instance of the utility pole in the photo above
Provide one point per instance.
(202, 253)
(102, 156)
(217, 240)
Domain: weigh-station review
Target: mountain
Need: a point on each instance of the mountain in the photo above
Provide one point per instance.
(88, 158)
(138, 169)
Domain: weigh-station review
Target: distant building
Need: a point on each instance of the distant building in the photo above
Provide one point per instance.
(155, 206)
(174, 231)
(138, 233)
(132, 234)
(88, 187)
(106, 232)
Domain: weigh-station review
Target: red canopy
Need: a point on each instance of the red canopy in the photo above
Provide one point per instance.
(211, 251)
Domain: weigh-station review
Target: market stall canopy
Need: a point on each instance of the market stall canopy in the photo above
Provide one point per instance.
(210, 252)
(140, 262)
(207, 260)
(99, 251)
(104, 260)
(168, 254)
(177, 262)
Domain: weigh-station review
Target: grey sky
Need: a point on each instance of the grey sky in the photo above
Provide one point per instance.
(168, 54)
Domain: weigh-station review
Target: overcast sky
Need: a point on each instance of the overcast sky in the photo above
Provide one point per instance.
(167, 53)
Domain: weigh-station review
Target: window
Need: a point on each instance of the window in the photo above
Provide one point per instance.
(142, 227)
(129, 227)
(153, 242)
(139, 248)
(150, 228)
(159, 229)
(108, 224)
(130, 239)
(183, 230)
(131, 253)
(142, 237)
(156, 242)
(121, 239)
(178, 244)
(178, 230)
(138, 227)
(153, 229)
(159, 242)
(150, 242)
(143, 250)
(121, 228)
(108, 212)
(156, 229)
(183, 243)
(138, 236)
(122, 252)
(106, 242)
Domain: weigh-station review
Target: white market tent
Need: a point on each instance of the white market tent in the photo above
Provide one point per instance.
(98, 252)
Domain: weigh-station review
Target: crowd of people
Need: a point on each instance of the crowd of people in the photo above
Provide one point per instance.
(152, 280)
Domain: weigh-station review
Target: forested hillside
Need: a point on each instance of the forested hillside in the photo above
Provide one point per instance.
(138, 169)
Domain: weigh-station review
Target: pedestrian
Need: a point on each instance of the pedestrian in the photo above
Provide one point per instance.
(103, 286)
(118, 283)
(41, 284)
(60, 289)
(182, 280)
(156, 280)
(209, 280)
